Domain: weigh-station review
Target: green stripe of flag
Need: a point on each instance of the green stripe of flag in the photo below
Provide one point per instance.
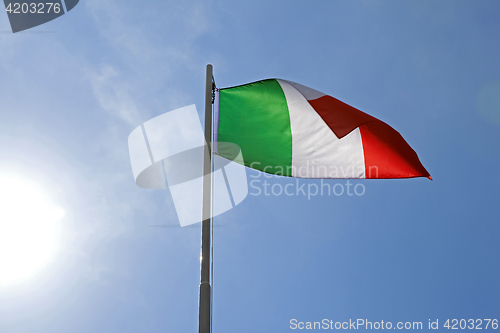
(255, 117)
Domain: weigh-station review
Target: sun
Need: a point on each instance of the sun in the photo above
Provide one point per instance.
(29, 225)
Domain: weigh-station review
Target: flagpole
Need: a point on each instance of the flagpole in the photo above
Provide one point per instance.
(205, 316)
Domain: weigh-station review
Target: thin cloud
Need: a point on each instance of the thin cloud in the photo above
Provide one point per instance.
(114, 95)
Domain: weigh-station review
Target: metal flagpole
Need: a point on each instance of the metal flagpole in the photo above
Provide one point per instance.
(205, 288)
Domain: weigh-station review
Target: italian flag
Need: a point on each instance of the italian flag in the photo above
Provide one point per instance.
(287, 129)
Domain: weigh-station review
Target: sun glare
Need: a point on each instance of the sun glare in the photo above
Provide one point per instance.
(28, 229)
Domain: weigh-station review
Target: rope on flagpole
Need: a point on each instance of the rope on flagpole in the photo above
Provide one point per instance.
(212, 208)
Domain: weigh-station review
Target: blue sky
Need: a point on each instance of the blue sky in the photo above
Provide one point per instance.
(407, 250)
